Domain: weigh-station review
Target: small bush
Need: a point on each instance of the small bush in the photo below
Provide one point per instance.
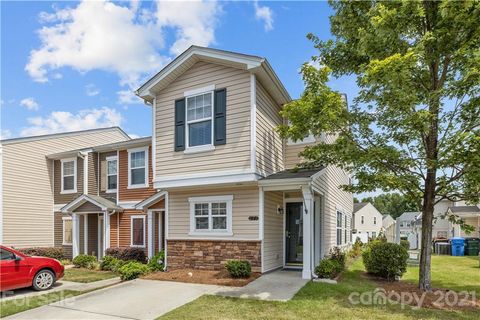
(49, 252)
(85, 261)
(337, 255)
(239, 268)
(328, 268)
(132, 270)
(127, 254)
(157, 262)
(405, 244)
(118, 264)
(357, 248)
(384, 259)
(66, 262)
(108, 262)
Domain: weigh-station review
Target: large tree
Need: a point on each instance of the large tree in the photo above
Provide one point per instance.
(414, 126)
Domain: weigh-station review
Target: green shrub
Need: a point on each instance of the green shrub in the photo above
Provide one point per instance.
(118, 264)
(239, 268)
(357, 248)
(49, 252)
(127, 254)
(132, 270)
(328, 268)
(85, 261)
(405, 244)
(108, 262)
(157, 262)
(337, 255)
(384, 259)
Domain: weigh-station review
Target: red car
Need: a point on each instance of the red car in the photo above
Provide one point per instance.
(18, 270)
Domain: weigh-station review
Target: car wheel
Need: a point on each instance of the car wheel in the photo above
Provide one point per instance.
(43, 280)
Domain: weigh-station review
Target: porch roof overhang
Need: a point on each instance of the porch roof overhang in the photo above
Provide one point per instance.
(102, 203)
(145, 204)
(68, 154)
(290, 179)
(465, 211)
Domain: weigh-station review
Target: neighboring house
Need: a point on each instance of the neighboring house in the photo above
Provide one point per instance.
(406, 229)
(367, 221)
(26, 175)
(104, 197)
(389, 227)
(442, 228)
(222, 168)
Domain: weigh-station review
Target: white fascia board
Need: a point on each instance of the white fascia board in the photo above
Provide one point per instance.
(202, 181)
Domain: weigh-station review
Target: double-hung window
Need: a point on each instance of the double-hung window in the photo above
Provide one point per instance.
(199, 120)
(374, 220)
(67, 230)
(345, 229)
(112, 174)
(137, 231)
(339, 228)
(69, 175)
(212, 215)
(138, 168)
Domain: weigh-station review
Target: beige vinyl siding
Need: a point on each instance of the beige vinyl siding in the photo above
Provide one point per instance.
(244, 205)
(334, 198)
(475, 223)
(28, 185)
(59, 197)
(87, 207)
(235, 154)
(273, 231)
(269, 151)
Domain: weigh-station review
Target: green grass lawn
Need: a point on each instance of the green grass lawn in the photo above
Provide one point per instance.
(13, 306)
(313, 301)
(455, 273)
(85, 275)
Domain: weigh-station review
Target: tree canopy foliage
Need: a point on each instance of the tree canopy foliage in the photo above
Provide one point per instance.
(414, 126)
(393, 204)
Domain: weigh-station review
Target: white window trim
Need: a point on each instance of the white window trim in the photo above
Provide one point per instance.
(307, 140)
(204, 147)
(193, 200)
(341, 228)
(63, 231)
(131, 231)
(112, 158)
(142, 185)
(74, 190)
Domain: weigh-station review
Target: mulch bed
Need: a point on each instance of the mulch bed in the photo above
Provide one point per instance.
(439, 298)
(221, 278)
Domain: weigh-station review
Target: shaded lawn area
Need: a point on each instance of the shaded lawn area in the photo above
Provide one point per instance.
(86, 275)
(314, 301)
(455, 273)
(13, 306)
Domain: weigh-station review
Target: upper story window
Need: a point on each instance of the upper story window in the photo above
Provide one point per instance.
(374, 220)
(69, 175)
(363, 219)
(138, 168)
(199, 120)
(212, 215)
(112, 167)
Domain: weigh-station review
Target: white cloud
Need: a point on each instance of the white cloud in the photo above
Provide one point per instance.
(5, 134)
(91, 90)
(133, 135)
(128, 97)
(29, 103)
(120, 38)
(62, 121)
(57, 75)
(195, 22)
(264, 13)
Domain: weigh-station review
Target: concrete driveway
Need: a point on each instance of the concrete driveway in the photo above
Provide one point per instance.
(138, 299)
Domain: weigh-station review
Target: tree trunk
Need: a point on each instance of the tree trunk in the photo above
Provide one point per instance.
(424, 278)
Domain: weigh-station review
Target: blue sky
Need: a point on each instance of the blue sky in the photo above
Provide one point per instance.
(70, 65)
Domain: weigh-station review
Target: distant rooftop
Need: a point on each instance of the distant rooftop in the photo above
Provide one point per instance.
(358, 206)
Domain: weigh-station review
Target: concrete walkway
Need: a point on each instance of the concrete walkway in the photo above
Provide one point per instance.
(137, 299)
(279, 285)
(58, 286)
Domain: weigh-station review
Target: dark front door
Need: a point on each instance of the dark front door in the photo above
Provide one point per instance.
(294, 233)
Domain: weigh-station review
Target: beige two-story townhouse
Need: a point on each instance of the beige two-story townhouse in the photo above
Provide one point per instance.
(226, 175)
(27, 182)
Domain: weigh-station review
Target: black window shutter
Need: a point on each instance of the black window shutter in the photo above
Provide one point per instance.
(180, 125)
(220, 117)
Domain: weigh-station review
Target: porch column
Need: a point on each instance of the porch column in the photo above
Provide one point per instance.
(75, 235)
(308, 212)
(106, 235)
(150, 233)
(85, 233)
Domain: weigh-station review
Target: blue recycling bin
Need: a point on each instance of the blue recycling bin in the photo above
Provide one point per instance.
(458, 246)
